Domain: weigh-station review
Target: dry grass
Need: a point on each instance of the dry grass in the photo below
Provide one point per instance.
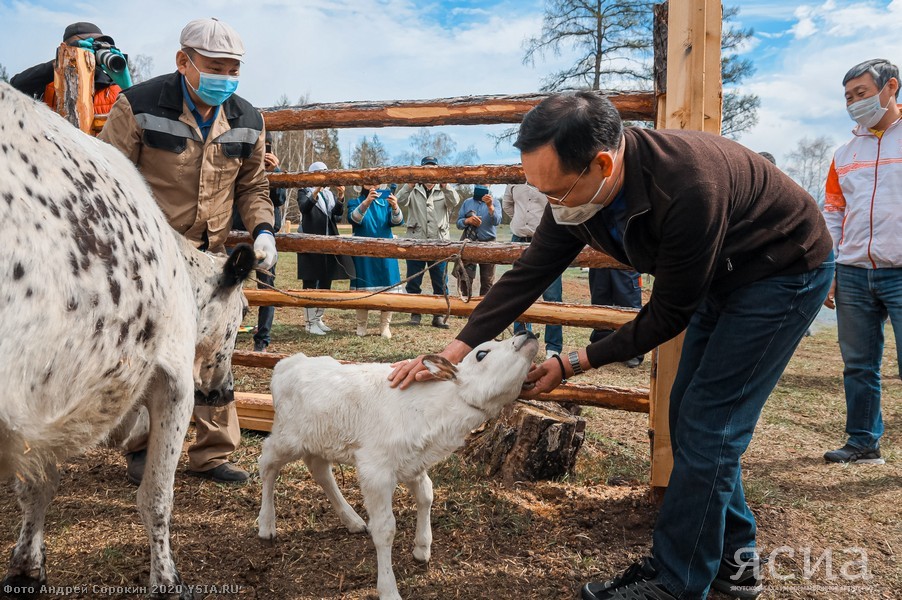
(537, 540)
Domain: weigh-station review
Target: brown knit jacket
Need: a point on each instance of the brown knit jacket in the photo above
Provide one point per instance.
(705, 215)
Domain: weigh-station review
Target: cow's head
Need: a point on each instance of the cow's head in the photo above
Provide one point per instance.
(220, 314)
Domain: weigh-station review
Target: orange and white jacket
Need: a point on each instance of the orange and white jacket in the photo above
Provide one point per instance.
(863, 201)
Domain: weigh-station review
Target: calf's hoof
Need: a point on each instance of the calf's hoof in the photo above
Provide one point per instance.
(22, 587)
(422, 554)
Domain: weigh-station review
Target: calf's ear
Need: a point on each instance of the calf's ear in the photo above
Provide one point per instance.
(238, 265)
(440, 367)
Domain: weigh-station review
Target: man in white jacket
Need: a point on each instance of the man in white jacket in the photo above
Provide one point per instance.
(862, 210)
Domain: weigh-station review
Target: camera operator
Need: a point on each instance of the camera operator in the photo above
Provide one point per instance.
(37, 81)
(478, 218)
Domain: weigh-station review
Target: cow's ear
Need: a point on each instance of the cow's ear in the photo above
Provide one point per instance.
(238, 265)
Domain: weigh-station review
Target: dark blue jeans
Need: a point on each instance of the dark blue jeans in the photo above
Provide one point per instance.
(734, 352)
(554, 334)
(864, 299)
(436, 274)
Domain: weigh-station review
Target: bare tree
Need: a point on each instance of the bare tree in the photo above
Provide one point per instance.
(4, 75)
(368, 154)
(141, 67)
(612, 38)
(440, 145)
(613, 42)
(809, 163)
(297, 150)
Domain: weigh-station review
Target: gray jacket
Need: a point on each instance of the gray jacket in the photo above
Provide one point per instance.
(428, 212)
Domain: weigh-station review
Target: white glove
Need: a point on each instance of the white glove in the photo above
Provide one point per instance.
(265, 248)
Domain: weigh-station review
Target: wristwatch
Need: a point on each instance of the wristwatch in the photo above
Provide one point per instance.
(573, 357)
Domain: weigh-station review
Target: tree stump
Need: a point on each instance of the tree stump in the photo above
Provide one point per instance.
(527, 442)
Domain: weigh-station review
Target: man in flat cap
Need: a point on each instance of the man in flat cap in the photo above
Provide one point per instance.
(37, 81)
(201, 149)
(429, 208)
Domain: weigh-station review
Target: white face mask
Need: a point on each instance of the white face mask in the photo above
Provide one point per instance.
(576, 215)
(869, 111)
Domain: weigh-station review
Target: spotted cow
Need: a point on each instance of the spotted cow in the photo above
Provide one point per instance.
(102, 306)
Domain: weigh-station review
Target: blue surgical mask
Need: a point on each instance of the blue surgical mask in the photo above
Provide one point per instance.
(213, 90)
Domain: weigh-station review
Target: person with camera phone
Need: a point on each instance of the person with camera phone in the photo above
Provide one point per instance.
(37, 81)
(478, 217)
(373, 214)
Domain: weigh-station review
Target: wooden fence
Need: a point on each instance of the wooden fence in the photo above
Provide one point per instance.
(688, 95)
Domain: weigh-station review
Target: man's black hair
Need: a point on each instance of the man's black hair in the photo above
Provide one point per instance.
(579, 125)
(880, 69)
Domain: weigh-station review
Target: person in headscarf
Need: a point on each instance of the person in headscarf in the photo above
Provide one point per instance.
(373, 214)
(321, 211)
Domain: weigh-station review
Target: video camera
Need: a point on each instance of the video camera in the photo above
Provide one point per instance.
(113, 62)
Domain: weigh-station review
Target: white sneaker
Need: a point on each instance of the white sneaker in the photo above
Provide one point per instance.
(314, 328)
(385, 332)
(361, 330)
(323, 326)
(550, 353)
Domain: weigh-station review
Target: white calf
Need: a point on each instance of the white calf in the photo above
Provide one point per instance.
(329, 412)
(103, 305)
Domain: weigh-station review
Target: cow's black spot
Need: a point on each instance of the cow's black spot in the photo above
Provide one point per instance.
(123, 333)
(115, 290)
(28, 293)
(72, 305)
(24, 157)
(18, 271)
(34, 170)
(147, 333)
(8, 197)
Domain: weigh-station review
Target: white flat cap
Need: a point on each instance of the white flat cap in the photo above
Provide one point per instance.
(212, 38)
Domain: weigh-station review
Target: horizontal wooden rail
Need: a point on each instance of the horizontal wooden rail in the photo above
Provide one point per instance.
(500, 253)
(484, 174)
(255, 410)
(463, 110)
(553, 313)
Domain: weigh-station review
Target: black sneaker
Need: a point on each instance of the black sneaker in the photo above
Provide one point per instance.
(739, 581)
(415, 319)
(851, 454)
(224, 473)
(439, 321)
(639, 582)
(259, 346)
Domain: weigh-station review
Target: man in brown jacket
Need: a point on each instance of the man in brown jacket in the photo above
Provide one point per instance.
(201, 149)
(742, 261)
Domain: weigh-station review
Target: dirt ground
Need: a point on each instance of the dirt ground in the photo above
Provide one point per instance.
(535, 540)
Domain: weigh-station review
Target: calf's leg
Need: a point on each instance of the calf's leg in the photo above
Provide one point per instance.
(378, 489)
(274, 456)
(421, 488)
(321, 470)
(26, 572)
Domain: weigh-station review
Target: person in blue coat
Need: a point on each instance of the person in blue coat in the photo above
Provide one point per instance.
(373, 214)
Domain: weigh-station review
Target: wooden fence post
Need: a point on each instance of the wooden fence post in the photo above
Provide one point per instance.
(73, 82)
(692, 99)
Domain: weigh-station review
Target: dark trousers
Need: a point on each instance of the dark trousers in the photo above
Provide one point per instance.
(613, 287)
(486, 278)
(436, 274)
(266, 313)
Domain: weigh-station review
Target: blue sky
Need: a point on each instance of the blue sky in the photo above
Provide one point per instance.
(340, 50)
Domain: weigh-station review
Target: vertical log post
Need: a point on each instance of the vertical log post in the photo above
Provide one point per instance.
(691, 98)
(73, 82)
